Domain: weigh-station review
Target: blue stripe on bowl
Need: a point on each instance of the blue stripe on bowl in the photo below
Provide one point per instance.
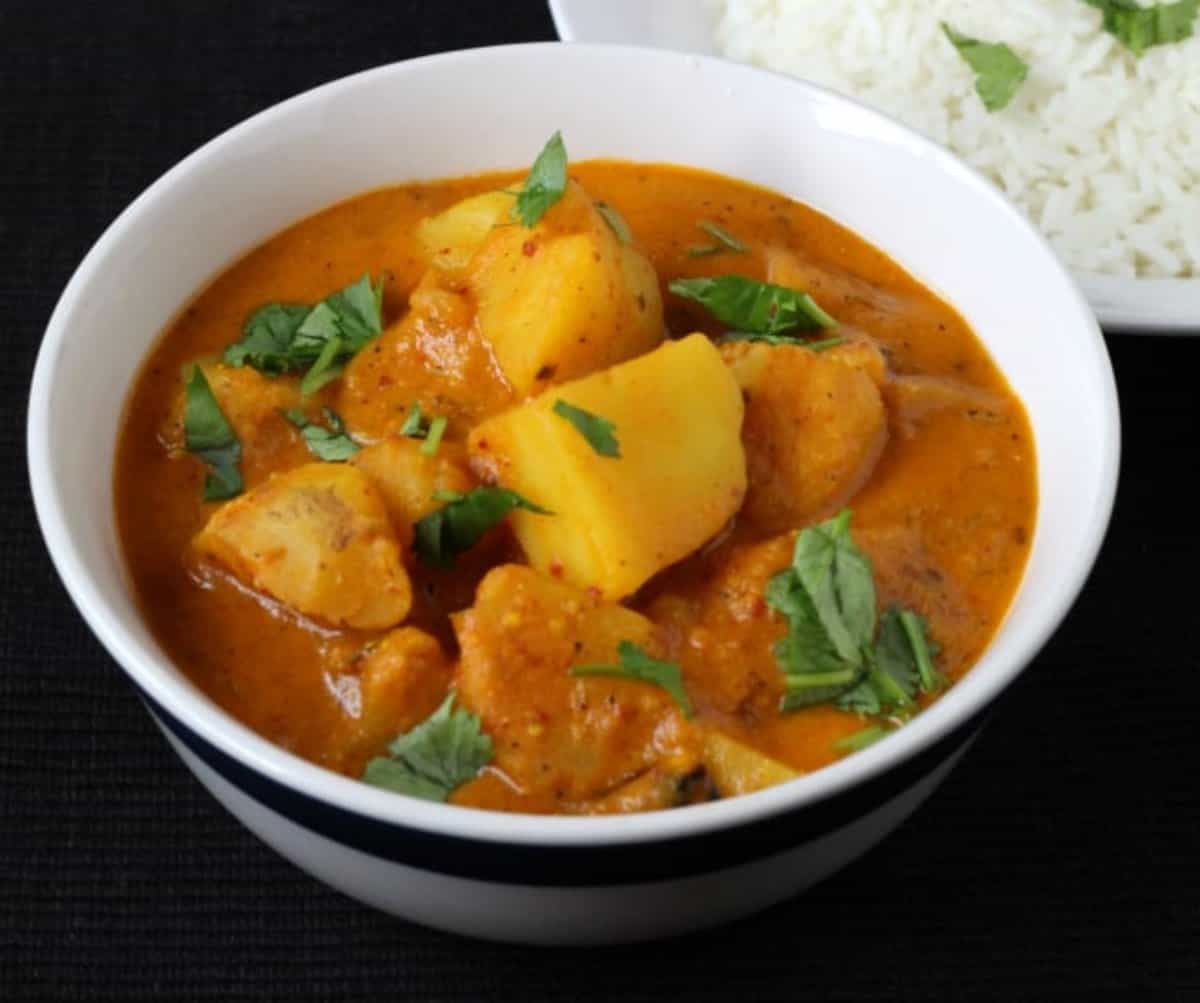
(596, 865)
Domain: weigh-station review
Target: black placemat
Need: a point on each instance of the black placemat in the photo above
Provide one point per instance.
(1058, 861)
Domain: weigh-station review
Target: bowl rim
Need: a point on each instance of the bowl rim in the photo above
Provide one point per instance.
(153, 673)
(1124, 304)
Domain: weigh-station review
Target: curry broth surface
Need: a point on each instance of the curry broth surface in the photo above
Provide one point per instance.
(962, 482)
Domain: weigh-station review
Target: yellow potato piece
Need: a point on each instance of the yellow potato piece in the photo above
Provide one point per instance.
(815, 428)
(738, 769)
(407, 478)
(450, 239)
(679, 479)
(576, 738)
(318, 539)
(563, 298)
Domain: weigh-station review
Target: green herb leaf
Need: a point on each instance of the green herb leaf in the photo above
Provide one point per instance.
(332, 444)
(999, 72)
(1141, 28)
(414, 423)
(433, 438)
(813, 669)
(827, 597)
(831, 653)
(922, 649)
(596, 430)
(545, 185)
(267, 338)
(861, 739)
(616, 222)
(324, 370)
(284, 337)
(445, 533)
(837, 578)
(901, 667)
(443, 752)
(208, 435)
(636, 664)
(752, 307)
(725, 241)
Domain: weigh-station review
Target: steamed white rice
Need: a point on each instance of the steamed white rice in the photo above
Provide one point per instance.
(1100, 148)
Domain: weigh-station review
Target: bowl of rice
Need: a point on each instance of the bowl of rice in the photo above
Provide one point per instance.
(1085, 113)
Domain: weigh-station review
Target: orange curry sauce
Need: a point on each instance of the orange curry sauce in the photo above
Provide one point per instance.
(946, 514)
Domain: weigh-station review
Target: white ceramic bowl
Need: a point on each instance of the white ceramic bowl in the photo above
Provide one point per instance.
(1136, 306)
(534, 878)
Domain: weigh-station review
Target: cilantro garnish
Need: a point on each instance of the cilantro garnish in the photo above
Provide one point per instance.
(286, 337)
(433, 437)
(999, 72)
(208, 435)
(754, 309)
(443, 752)
(723, 241)
(616, 222)
(861, 739)
(332, 444)
(457, 526)
(414, 426)
(545, 184)
(833, 651)
(599, 432)
(1139, 28)
(636, 664)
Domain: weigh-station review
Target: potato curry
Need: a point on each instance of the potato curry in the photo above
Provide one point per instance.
(602, 489)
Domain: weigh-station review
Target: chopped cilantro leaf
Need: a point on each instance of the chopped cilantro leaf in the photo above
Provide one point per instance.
(455, 528)
(208, 435)
(837, 649)
(636, 664)
(545, 184)
(414, 423)
(1140, 28)
(999, 72)
(725, 241)
(433, 438)
(286, 337)
(443, 752)
(861, 739)
(332, 444)
(753, 307)
(616, 222)
(599, 432)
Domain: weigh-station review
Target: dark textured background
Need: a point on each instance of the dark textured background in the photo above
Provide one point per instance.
(1059, 861)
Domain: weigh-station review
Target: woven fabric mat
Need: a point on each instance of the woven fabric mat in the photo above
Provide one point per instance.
(1058, 861)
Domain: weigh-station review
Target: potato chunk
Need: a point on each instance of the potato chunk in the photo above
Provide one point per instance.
(815, 428)
(739, 769)
(570, 737)
(680, 477)
(407, 478)
(564, 298)
(433, 356)
(450, 239)
(317, 538)
(402, 680)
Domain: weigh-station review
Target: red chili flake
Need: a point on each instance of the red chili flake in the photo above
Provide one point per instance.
(529, 248)
(481, 444)
(556, 568)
